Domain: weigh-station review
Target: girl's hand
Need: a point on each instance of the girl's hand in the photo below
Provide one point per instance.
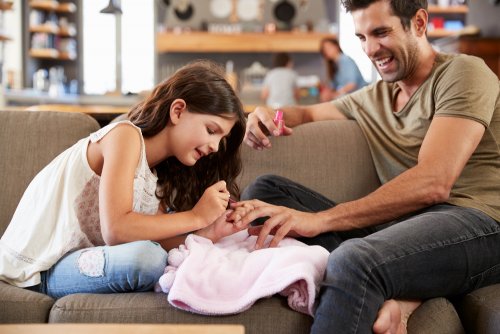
(212, 203)
(220, 228)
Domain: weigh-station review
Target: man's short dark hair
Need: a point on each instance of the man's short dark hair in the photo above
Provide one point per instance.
(404, 9)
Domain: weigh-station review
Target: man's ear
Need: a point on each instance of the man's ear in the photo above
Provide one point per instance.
(420, 21)
(177, 108)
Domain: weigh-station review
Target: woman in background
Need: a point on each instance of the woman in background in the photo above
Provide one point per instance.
(343, 73)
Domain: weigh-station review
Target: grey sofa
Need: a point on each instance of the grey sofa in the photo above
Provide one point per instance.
(330, 157)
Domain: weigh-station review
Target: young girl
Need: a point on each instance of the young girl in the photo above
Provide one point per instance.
(100, 216)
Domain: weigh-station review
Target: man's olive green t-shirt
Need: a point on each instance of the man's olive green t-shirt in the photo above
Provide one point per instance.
(459, 86)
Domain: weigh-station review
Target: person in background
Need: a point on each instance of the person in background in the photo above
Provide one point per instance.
(432, 229)
(343, 73)
(280, 83)
(100, 217)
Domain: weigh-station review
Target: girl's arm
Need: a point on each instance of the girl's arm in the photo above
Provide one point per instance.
(120, 153)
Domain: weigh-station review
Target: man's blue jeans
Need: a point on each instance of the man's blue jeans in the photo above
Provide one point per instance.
(443, 250)
(134, 266)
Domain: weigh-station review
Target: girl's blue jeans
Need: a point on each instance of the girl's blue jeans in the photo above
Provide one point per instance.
(441, 251)
(134, 266)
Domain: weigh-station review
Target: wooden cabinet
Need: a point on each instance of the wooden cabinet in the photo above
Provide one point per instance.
(203, 42)
(486, 48)
(51, 39)
(438, 16)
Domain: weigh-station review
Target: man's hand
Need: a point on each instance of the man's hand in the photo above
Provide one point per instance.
(282, 222)
(260, 124)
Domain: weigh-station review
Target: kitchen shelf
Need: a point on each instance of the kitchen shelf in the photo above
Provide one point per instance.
(51, 54)
(51, 38)
(53, 29)
(448, 10)
(201, 42)
(67, 7)
(438, 33)
(46, 5)
(443, 14)
(45, 28)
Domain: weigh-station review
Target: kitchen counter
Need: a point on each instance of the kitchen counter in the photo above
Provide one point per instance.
(29, 97)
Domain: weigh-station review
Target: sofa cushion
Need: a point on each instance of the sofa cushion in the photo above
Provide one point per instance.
(480, 310)
(28, 142)
(151, 307)
(436, 316)
(331, 157)
(23, 306)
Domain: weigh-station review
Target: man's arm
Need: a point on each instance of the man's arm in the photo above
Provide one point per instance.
(260, 122)
(448, 145)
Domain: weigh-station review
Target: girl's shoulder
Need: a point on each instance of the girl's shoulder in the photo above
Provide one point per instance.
(121, 128)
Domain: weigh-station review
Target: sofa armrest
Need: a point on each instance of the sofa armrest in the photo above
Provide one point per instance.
(331, 157)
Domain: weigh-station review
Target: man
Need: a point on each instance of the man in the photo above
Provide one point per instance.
(432, 229)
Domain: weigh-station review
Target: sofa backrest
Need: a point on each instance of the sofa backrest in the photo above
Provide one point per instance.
(331, 157)
(28, 142)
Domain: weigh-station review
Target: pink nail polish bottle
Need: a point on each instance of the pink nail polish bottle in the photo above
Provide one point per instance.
(278, 120)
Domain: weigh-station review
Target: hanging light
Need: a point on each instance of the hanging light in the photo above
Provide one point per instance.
(112, 8)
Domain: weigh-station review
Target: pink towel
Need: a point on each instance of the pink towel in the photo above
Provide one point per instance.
(229, 276)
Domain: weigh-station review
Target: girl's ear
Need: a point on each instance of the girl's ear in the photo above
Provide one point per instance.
(177, 108)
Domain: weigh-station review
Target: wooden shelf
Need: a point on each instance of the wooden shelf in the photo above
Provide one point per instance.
(51, 54)
(6, 5)
(47, 5)
(52, 29)
(45, 28)
(44, 53)
(201, 42)
(50, 5)
(67, 7)
(437, 33)
(448, 10)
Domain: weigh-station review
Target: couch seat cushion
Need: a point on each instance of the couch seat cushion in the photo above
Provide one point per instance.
(23, 306)
(150, 307)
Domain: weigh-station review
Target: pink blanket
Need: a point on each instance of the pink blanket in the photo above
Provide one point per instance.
(229, 276)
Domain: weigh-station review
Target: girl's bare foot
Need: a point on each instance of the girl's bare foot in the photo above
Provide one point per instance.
(393, 316)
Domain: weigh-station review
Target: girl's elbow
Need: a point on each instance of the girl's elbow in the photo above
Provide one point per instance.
(110, 235)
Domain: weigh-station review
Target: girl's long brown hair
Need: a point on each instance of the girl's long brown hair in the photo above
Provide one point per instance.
(202, 85)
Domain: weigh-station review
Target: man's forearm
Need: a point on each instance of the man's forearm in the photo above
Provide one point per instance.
(412, 190)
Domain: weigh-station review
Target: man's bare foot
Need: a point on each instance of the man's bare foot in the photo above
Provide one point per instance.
(393, 316)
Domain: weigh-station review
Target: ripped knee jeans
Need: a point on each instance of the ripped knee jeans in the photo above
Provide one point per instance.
(134, 266)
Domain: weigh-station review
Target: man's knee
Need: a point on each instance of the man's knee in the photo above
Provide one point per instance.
(353, 259)
(261, 185)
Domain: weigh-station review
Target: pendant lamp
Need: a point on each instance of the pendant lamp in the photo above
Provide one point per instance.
(112, 8)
